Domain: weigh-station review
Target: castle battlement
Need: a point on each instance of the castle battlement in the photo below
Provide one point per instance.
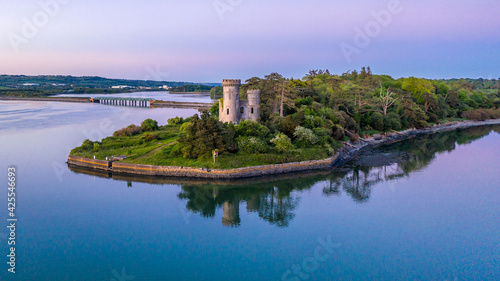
(253, 92)
(231, 82)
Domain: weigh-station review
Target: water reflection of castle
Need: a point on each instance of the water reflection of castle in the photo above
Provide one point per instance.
(231, 213)
(275, 199)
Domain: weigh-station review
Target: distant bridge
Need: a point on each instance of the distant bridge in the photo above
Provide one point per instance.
(134, 102)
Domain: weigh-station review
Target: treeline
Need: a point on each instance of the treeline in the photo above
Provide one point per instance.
(81, 81)
(322, 109)
(191, 88)
(364, 102)
(20, 85)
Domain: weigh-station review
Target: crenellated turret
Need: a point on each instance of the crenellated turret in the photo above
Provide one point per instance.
(253, 104)
(228, 108)
(232, 109)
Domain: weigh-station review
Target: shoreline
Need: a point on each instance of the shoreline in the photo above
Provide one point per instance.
(344, 154)
(155, 104)
(51, 99)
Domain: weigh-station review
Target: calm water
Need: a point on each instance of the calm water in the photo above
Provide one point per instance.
(427, 209)
(162, 95)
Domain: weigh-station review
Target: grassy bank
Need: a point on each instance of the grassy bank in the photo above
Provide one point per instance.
(158, 148)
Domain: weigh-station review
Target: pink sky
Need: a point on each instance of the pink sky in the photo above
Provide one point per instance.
(193, 41)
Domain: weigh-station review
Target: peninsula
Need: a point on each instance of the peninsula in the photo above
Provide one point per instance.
(277, 125)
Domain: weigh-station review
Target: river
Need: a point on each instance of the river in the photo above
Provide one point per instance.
(423, 209)
(155, 95)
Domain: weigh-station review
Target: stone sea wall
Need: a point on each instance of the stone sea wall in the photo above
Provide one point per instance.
(344, 154)
(89, 163)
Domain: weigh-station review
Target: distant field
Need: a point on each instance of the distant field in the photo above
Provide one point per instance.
(5, 88)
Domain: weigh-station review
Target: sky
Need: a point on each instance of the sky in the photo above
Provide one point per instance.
(211, 40)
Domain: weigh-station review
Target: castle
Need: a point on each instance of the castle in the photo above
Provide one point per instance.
(232, 109)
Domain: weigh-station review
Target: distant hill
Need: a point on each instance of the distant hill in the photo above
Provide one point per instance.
(54, 84)
(15, 81)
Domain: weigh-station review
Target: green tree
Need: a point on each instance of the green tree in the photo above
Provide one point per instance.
(149, 125)
(202, 136)
(417, 86)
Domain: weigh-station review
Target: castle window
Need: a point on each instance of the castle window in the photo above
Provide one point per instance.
(228, 111)
(251, 110)
(242, 109)
(229, 96)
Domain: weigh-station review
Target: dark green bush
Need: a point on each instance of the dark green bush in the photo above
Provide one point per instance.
(149, 125)
(392, 121)
(337, 132)
(377, 121)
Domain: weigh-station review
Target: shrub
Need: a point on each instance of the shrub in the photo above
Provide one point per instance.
(392, 121)
(247, 128)
(149, 125)
(251, 145)
(150, 137)
(433, 118)
(377, 121)
(304, 101)
(346, 121)
(312, 122)
(131, 130)
(184, 126)
(329, 148)
(282, 142)
(87, 144)
(338, 132)
(287, 125)
(305, 135)
(175, 121)
(482, 114)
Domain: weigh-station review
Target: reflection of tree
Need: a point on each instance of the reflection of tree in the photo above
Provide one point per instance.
(277, 209)
(272, 201)
(423, 150)
(358, 182)
(275, 201)
(414, 155)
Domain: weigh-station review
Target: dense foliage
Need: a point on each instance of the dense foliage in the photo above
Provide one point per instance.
(304, 119)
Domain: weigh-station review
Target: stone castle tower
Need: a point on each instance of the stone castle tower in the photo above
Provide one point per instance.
(232, 109)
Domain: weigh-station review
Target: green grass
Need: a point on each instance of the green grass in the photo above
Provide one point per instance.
(157, 152)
